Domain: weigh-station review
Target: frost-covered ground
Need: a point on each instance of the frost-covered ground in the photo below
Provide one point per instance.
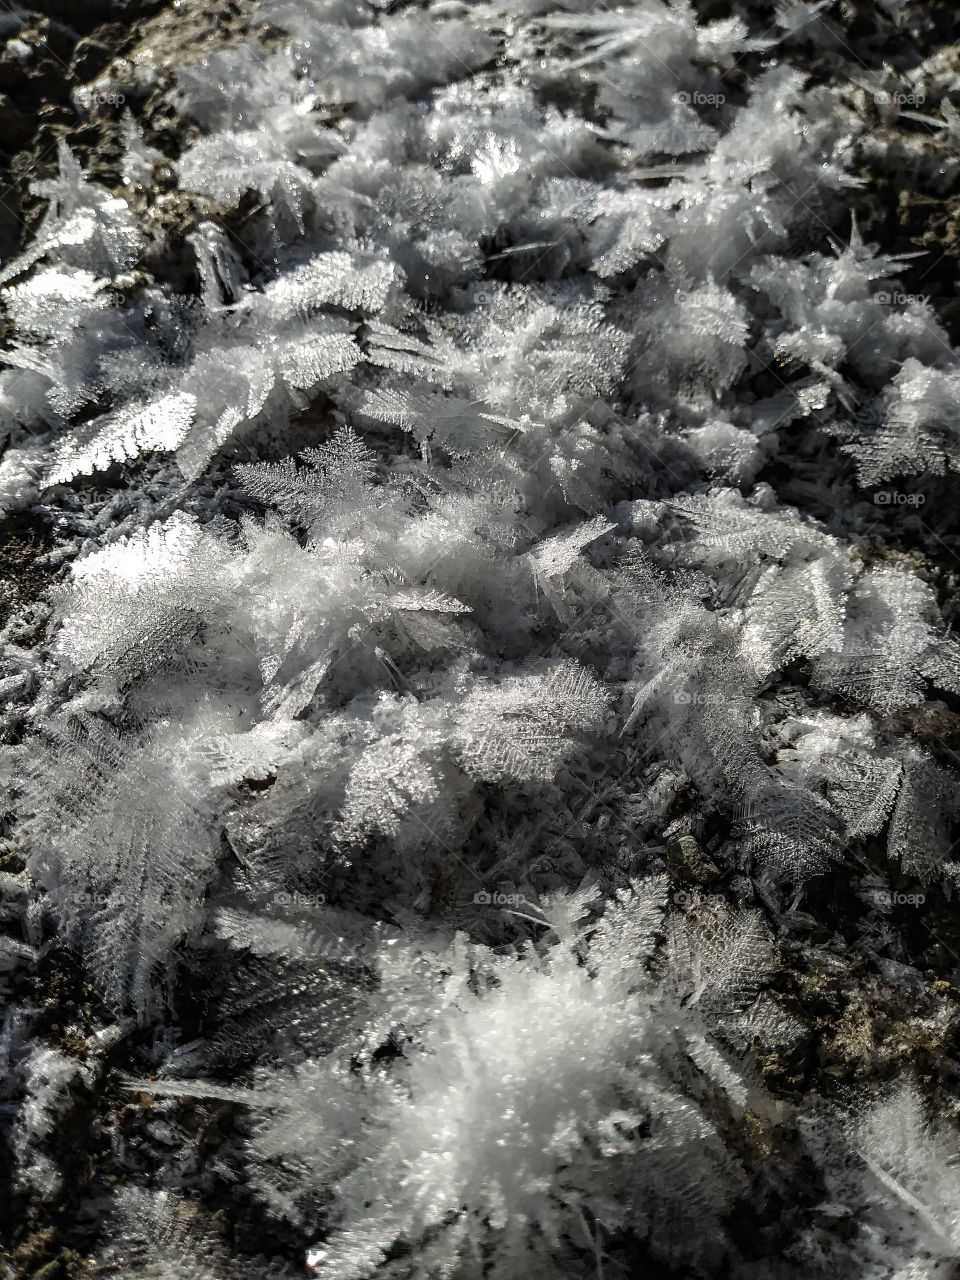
(479, 698)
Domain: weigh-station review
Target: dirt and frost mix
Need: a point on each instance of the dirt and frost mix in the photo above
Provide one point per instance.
(479, 696)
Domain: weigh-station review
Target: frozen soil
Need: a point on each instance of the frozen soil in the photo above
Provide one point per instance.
(859, 1026)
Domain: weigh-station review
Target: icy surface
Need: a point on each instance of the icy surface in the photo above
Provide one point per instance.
(469, 675)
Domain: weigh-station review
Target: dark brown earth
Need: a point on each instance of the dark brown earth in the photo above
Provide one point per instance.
(73, 46)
